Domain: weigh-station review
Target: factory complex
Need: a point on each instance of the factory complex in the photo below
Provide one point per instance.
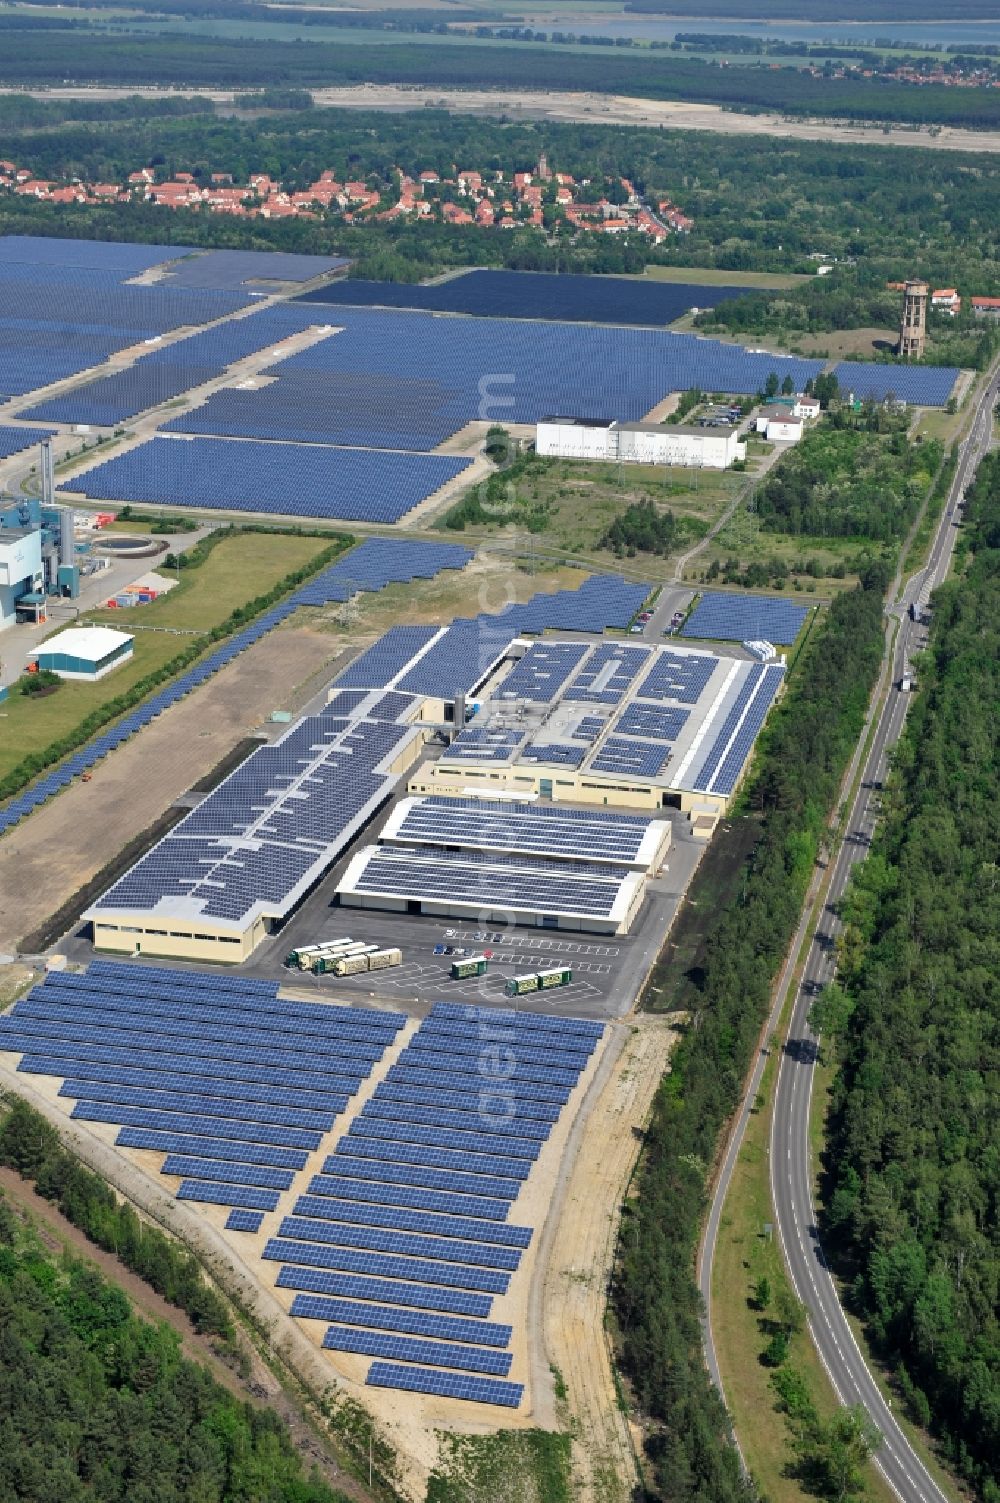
(529, 780)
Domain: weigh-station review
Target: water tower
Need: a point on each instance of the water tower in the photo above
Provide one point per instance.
(913, 327)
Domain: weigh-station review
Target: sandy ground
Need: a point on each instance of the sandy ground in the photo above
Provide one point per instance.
(49, 856)
(576, 1282)
(603, 109)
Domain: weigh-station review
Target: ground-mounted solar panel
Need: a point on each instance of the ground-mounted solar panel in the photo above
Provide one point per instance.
(412, 1349)
(420, 1176)
(917, 385)
(389, 1291)
(258, 1175)
(209, 1107)
(535, 295)
(387, 1266)
(244, 1221)
(503, 1125)
(518, 1148)
(398, 1218)
(473, 1102)
(345, 1187)
(275, 479)
(405, 1244)
(165, 1141)
(391, 1150)
(724, 616)
(222, 1193)
(347, 1312)
(193, 1125)
(445, 1385)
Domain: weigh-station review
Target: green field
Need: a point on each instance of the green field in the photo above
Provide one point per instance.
(238, 570)
(707, 276)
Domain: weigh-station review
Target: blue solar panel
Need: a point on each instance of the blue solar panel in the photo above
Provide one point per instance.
(399, 1218)
(228, 1195)
(280, 479)
(641, 759)
(533, 294)
(505, 1017)
(654, 722)
(473, 1100)
(491, 1168)
(543, 670)
(391, 1291)
(410, 1349)
(347, 1312)
(468, 1080)
(187, 1167)
(918, 385)
(166, 1141)
(14, 440)
(244, 1221)
(433, 1137)
(410, 1113)
(238, 268)
(445, 1385)
(406, 1244)
(345, 1187)
(209, 1127)
(384, 1265)
(420, 1176)
(724, 617)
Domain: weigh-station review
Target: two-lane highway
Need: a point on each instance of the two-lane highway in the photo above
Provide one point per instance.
(790, 1159)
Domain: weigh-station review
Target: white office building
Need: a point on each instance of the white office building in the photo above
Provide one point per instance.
(600, 439)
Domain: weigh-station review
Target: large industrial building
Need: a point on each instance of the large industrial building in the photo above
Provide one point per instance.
(601, 439)
(37, 559)
(537, 772)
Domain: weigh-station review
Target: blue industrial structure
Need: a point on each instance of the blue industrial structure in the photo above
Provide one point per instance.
(37, 558)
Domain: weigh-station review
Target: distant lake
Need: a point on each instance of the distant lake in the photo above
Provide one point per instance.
(652, 28)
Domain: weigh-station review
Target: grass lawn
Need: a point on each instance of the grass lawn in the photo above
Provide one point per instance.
(711, 276)
(237, 570)
(585, 498)
(743, 538)
(30, 725)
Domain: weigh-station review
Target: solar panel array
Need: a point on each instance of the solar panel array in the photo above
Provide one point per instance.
(496, 882)
(65, 309)
(681, 676)
(526, 829)
(276, 479)
(482, 743)
(401, 1245)
(722, 616)
(13, 440)
(638, 759)
(532, 294)
(729, 751)
(235, 1085)
(918, 385)
(372, 565)
(657, 722)
(404, 380)
(607, 673)
(269, 829)
(238, 268)
(543, 670)
(167, 372)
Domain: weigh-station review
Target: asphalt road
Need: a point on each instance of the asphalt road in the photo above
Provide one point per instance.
(790, 1159)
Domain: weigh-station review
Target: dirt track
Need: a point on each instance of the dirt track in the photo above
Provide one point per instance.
(576, 1284)
(601, 109)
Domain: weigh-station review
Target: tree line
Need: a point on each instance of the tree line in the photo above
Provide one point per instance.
(99, 1406)
(41, 54)
(768, 849)
(912, 1179)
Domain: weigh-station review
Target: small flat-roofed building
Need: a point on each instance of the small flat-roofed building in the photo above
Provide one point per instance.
(786, 429)
(83, 652)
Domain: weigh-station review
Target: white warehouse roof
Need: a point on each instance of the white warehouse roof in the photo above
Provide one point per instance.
(92, 643)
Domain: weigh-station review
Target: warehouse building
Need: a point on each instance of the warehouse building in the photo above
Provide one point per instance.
(600, 439)
(83, 652)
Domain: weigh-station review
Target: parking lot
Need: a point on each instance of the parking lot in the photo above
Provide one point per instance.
(607, 971)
